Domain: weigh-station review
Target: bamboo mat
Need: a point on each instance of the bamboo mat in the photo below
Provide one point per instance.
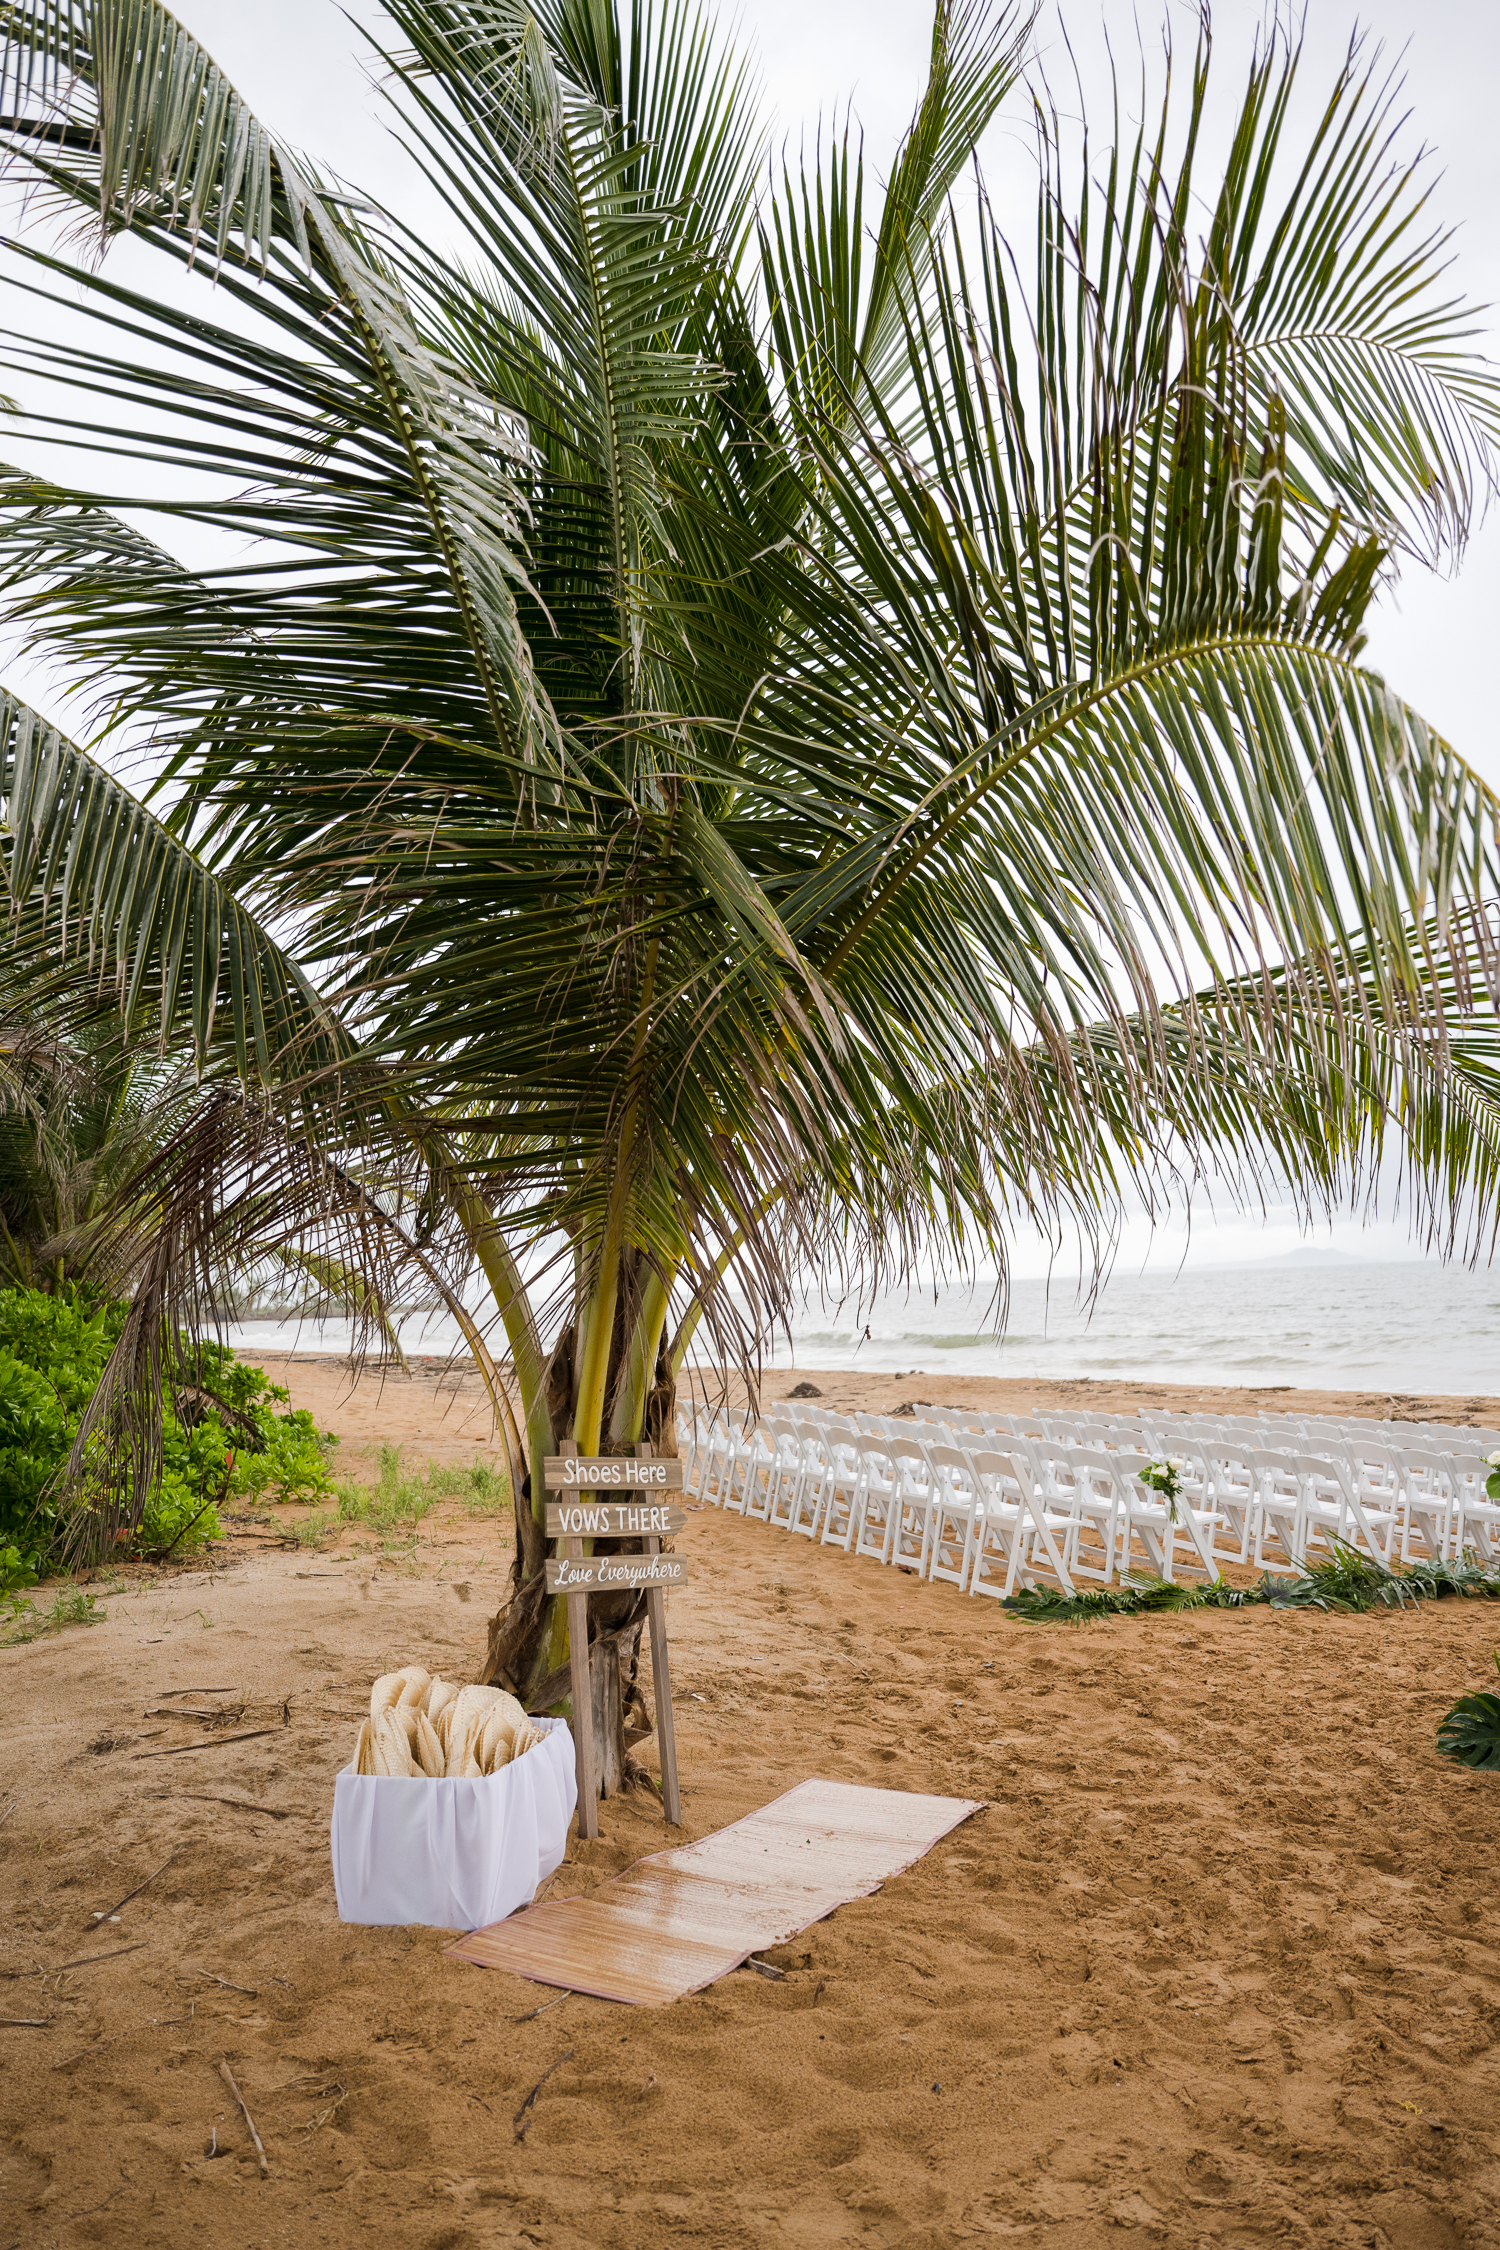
(673, 1923)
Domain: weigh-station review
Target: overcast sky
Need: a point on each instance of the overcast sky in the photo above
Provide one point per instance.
(1434, 639)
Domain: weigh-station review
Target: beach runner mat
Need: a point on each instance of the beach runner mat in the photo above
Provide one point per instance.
(673, 1923)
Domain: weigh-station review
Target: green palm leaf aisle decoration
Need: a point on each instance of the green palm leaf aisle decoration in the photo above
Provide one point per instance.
(1470, 1733)
(732, 733)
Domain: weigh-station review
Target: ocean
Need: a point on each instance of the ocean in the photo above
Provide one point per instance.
(1348, 1324)
(1401, 1326)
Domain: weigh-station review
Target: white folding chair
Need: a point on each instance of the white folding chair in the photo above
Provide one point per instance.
(1332, 1510)
(950, 1531)
(1278, 1507)
(762, 1460)
(1147, 1516)
(697, 1443)
(841, 1483)
(1235, 1490)
(1476, 1518)
(806, 1513)
(784, 1473)
(1085, 1488)
(911, 1517)
(1427, 1510)
(869, 1533)
(737, 1456)
(717, 1458)
(1009, 1523)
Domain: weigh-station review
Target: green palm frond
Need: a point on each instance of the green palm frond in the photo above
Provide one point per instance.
(601, 194)
(100, 892)
(1469, 1734)
(123, 114)
(345, 1285)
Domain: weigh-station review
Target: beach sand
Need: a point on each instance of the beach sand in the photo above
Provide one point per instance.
(1217, 1963)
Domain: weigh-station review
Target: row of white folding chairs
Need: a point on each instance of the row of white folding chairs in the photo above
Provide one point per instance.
(1244, 1499)
(1404, 1497)
(977, 1515)
(1394, 1501)
(1237, 1498)
(1266, 1486)
(1441, 1435)
(1233, 1505)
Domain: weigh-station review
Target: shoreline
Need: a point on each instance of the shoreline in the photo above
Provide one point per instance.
(440, 1401)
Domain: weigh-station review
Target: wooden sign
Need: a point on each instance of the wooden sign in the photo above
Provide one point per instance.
(613, 1519)
(587, 1472)
(567, 1472)
(613, 1574)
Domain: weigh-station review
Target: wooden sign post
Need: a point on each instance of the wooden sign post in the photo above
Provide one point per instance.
(614, 1498)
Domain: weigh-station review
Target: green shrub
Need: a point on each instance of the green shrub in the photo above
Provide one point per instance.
(15, 1571)
(225, 1438)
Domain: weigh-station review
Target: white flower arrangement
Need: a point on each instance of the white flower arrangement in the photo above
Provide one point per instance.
(1165, 1477)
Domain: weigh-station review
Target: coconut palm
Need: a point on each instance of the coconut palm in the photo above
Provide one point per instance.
(734, 731)
(79, 1118)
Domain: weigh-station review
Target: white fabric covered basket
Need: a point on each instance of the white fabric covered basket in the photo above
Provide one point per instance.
(454, 1854)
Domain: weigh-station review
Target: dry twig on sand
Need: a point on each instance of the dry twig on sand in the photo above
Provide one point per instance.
(24, 2023)
(523, 2129)
(217, 1742)
(87, 1960)
(323, 2115)
(542, 2010)
(193, 1711)
(228, 2077)
(110, 1912)
(186, 1976)
(240, 1804)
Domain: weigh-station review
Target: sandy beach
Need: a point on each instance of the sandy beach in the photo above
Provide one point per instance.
(440, 1407)
(1217, 1963)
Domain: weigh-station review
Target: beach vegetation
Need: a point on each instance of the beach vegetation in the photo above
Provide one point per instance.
(1345, 1583)
(404, 1497)
(82, 1113)
(1469, 1734)
(227, 1432)
(740, 725)
(23, 1619)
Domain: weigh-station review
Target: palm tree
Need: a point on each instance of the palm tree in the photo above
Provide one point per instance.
(734, 732)
(79, 1118)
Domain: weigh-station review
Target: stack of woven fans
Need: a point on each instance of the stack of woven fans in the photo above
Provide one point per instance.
(419, 1725)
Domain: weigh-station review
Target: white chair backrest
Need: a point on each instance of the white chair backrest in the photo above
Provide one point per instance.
(1321, 1470)
(1471, 1466)
(1423, 1472)
(952, 1467)
(1002, 1475)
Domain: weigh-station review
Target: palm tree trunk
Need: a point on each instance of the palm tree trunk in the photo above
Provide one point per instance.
(625, 1387)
